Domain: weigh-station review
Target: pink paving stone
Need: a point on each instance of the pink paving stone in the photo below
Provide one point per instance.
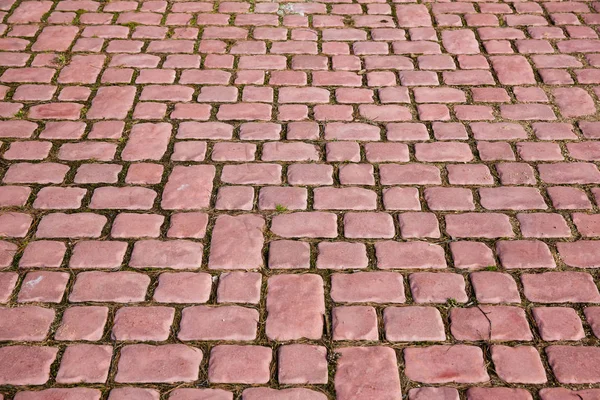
(125, 393)
(14, 224)
(28, 151)
(289, 254)
(26, 323)
(409, 174)
(580, 254)
(398, 198)
(429, 287)
(558, 323)
(310, 174)
(354, 323)
(43, 287)
(112, 102)
(478, 225)
(82, 323)
(43, 253)
(120, 287)
(252, 174)
(239, 287)
(520, 364)
(235, 198)
(8, 280)
(519, 254)
(409, 255)
(543, 225)
(418, 225)
(413, 324)
(197, 394)
(178, 362)
(85, 363)
(494, 287)
(147, 142)
(511, 198)
(97, 173)
(443, 199)
(433, 393)
(7, 252)
(368, 225)
(282, 394)
(347, 198)
(188, 225)
(574, 364)
(237, 242)
(59, 198)
(471, 255)
(270, 198)
(239, 364)
(26, 365)
(370, 371)
(305, 224)
(368, 287)
(143, 323)
(61, 393)
(98, 254)
(560, 287)
(592, 315)
(218, 323)
(442, 364)
(14, 196)
(295, 307)
(302, 364)
(81, 225)
(17, 129)
(460, 42)
(574, 102)
(501, 323)
(498, 393)
(130, 225)
(183, 287)
(342, 255)
(175, 254)
(569, 173)
(566, 394)
(43, 173)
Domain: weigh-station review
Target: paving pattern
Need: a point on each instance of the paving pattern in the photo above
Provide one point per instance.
(341, 199)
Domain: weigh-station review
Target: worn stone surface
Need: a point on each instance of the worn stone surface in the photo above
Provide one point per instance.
(299, 200)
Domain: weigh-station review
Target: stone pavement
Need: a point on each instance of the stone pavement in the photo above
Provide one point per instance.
(340, 199)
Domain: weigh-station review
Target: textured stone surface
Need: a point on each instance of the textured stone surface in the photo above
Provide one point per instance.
(311, 199)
